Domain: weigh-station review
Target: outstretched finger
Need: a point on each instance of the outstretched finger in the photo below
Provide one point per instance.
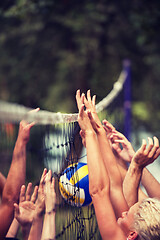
(88, 104)
(156, 155)
(31, 112)
(48, 182)
(150, 145)
(78, 99)
(42, 181)
(143, 146)
(53, 183)
(81, 111)
(116, 135)
(22, 194)
(30, 125)
(16, 209)
(28, 191)
(89, 96)
(34, 110)
(92, 121)
(94, 100)
(43, 176)
(49, 176)
(108, 126)
(154, 148)
(34, 195)
(53, 188)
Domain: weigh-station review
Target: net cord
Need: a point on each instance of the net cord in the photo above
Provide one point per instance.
(12, 112)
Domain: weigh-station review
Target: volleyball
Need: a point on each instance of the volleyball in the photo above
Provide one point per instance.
(74, 185)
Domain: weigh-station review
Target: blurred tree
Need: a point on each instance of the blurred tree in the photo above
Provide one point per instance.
(50, 48)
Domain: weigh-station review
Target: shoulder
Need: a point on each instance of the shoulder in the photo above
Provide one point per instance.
(106, 219)
(114, 235)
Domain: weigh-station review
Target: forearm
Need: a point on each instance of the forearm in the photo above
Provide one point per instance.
(98, 178)
(109, 160)
(49, 231)
(123, 171)
(151, 185)
(26, 231)
(111, 166)
(15, 179)
(16, 175)
(101, 197)
(13, 230)
(131, 184)
(36, 229)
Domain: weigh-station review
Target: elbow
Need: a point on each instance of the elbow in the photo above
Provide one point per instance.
(9, 197)
(93, 190)
(96, 190)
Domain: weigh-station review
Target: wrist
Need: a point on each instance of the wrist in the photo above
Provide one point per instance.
(53, 210)
(136, 168)
(39, 215)
(26, 227)
(39, 211)
(101, 131)
(21, 142)
(90, 132)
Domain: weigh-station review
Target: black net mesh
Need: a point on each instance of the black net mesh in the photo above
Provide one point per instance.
(56, 146)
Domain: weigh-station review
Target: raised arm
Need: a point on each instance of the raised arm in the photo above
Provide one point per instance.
(116, 138)
(123, 152)
(24, 212)
(126, 154)
(98, 178)
(49, 231)
(13, 230)
(143, 157)
(37, 224)
(15, 178)
(151, 184)
(109, 160)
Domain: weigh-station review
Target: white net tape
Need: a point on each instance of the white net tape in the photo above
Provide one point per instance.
(11, 112)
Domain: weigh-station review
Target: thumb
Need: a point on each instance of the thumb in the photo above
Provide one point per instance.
(16, 209)
(92, 121)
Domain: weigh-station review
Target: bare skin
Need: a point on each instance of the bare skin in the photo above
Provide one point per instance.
(15, 178)
(99, 180)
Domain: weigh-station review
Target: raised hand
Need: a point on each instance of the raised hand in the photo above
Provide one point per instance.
(49, 191)
(124, 151)
(83, 119)
(24, 128)
(48, 231)
(147, 154)
(91, 107)
(79, 99)
(108, 126)
(90, 102)
(89, 112)
(24, 212)
(40, 203)
(36, 229)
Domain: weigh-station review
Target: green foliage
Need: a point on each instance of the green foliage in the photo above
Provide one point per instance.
(140, 111)
(49, 49)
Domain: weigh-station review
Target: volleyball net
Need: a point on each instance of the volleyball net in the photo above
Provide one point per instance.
(55, 143)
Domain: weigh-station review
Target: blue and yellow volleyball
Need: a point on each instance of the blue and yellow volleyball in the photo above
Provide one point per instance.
(74, 185)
